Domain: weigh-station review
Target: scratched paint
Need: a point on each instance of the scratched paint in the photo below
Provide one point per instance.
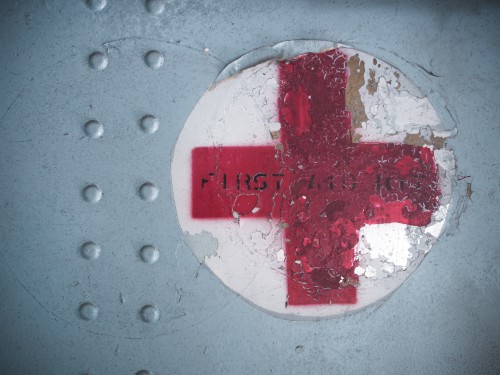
(303, 179)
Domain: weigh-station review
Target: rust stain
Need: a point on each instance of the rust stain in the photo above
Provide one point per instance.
(438, 142)
(353, 98)
(349, 281)
(418, 140)
(356, 137)
(415, 140)
(397, 80)
(372, 83)
(468, 189)
(275, 134)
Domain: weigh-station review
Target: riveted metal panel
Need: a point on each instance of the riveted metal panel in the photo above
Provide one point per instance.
(96, 275)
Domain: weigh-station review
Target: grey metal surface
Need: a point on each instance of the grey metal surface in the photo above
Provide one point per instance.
(443, 320)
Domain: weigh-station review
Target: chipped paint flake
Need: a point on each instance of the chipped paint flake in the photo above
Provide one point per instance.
(385, 243)
(203, 244)
(371, 85)
(352, 96)
(389, 107)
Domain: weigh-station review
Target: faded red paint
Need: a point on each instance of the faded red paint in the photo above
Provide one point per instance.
(330, 186)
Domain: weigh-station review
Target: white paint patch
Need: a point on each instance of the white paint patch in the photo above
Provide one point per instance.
(394, 114)
(370, 271)
(388, 268)
(446, 160)
(386, 242)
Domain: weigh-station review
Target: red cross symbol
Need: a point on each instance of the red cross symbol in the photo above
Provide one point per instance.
(320, 185)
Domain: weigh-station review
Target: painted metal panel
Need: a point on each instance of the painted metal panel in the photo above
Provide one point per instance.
(96, 274)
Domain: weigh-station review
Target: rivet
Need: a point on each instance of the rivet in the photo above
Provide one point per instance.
(143, 372)
(150, 314)
(98, 61)
(94, 129)
(96, 5)
(155, 7)
(88, 311)
(154, 59)
(150, 124)
(148, 192)
(149, 254)
(90, 250)
(92, 193)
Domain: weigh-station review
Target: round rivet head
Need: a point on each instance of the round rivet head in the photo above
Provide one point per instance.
(150, 124)
(155, 7)
(148, 192)
(96, 5)
(143, 372)
(98, 61)
(154, 59)
(88, 311)
(90, 250)
(92, 193)
(150, 314)
(149, 254)
(94, 129)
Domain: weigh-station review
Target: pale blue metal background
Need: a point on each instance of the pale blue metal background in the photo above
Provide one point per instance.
(443, 320)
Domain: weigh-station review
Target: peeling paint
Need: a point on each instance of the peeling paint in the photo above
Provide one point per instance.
(253, 252)
(393, 109)
(202, 244)
(420, 140)
(379, 241)
(352, 97)
(398, 83)
(274, 129)
(371, 85)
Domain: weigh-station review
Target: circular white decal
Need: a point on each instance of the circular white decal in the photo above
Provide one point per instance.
(313, 185)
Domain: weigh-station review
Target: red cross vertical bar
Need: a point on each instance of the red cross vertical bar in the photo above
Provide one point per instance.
(319, 184)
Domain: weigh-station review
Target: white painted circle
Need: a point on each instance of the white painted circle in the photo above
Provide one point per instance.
(248, 254)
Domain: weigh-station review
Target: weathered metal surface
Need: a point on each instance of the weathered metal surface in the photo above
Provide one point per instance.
(97, 276)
